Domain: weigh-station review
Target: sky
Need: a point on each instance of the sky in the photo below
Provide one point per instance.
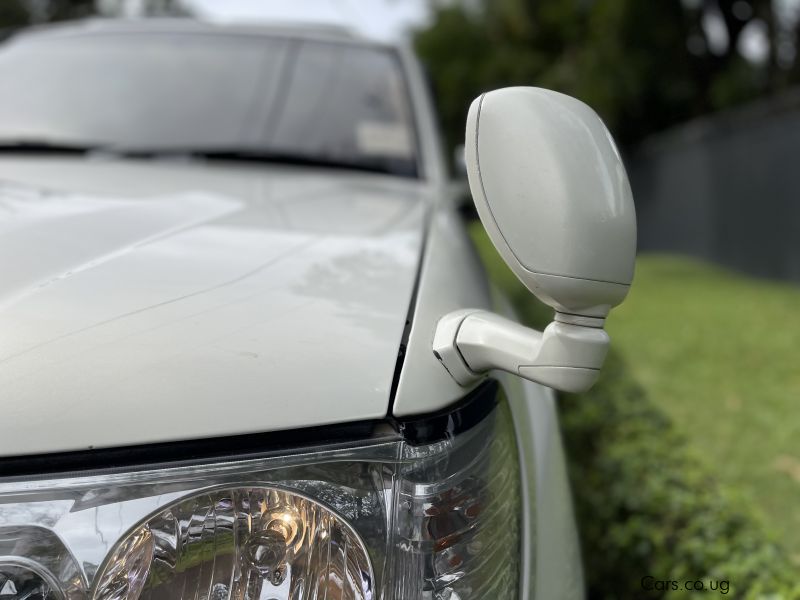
(383, 19)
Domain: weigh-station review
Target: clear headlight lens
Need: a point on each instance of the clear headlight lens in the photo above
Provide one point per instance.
(386, 519)
(239, 543)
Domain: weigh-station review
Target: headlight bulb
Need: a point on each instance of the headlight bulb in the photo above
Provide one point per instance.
(266, 552)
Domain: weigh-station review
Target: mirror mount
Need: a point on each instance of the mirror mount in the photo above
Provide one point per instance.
(566, 356)
(551, 190)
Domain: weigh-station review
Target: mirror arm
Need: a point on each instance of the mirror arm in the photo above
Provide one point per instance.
(566, 356)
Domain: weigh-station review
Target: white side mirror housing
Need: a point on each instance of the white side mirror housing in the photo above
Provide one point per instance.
(551, 190)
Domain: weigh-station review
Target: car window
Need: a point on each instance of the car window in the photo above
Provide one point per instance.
(352, 102)
(338, 102)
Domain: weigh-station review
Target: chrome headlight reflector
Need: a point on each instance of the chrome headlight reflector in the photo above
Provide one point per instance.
(241, 542)
(392, 518)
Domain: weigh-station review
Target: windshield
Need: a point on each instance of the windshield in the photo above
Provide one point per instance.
(334, 103)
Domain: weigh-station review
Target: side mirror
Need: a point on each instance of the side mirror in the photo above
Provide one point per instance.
(551, 190)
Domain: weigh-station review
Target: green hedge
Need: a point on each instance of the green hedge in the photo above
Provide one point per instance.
(645, 505)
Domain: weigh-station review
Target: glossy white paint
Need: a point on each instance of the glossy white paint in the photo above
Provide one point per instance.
(552, 564)
(451, 278)
(552, 192)
(361, 233)
(553, 195)
(555, 552)
(146, 301)
(552, 567)
(565, 356)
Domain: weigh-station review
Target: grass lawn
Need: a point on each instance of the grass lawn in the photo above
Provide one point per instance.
(719, 354)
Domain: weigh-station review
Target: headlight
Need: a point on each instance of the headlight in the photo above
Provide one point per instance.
(397, 517)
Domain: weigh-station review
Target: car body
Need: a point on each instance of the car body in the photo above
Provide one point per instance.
(148, 301)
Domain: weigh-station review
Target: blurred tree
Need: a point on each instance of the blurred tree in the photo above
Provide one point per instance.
(642, 65)
(13, 13)
(62, 10)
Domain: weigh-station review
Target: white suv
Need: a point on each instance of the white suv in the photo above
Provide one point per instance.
(246, 347)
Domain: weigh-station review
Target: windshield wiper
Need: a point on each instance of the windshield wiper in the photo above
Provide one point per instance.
(268, 156)
(47, 147)
(405, 168)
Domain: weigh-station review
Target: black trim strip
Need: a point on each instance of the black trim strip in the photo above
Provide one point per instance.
(449, 422)
(420, 429)
(231, 448)
(412, 307)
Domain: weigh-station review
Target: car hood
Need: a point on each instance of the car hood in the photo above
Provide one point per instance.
(146, 302)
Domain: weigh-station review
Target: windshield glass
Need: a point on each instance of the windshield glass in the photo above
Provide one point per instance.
(331, 102)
